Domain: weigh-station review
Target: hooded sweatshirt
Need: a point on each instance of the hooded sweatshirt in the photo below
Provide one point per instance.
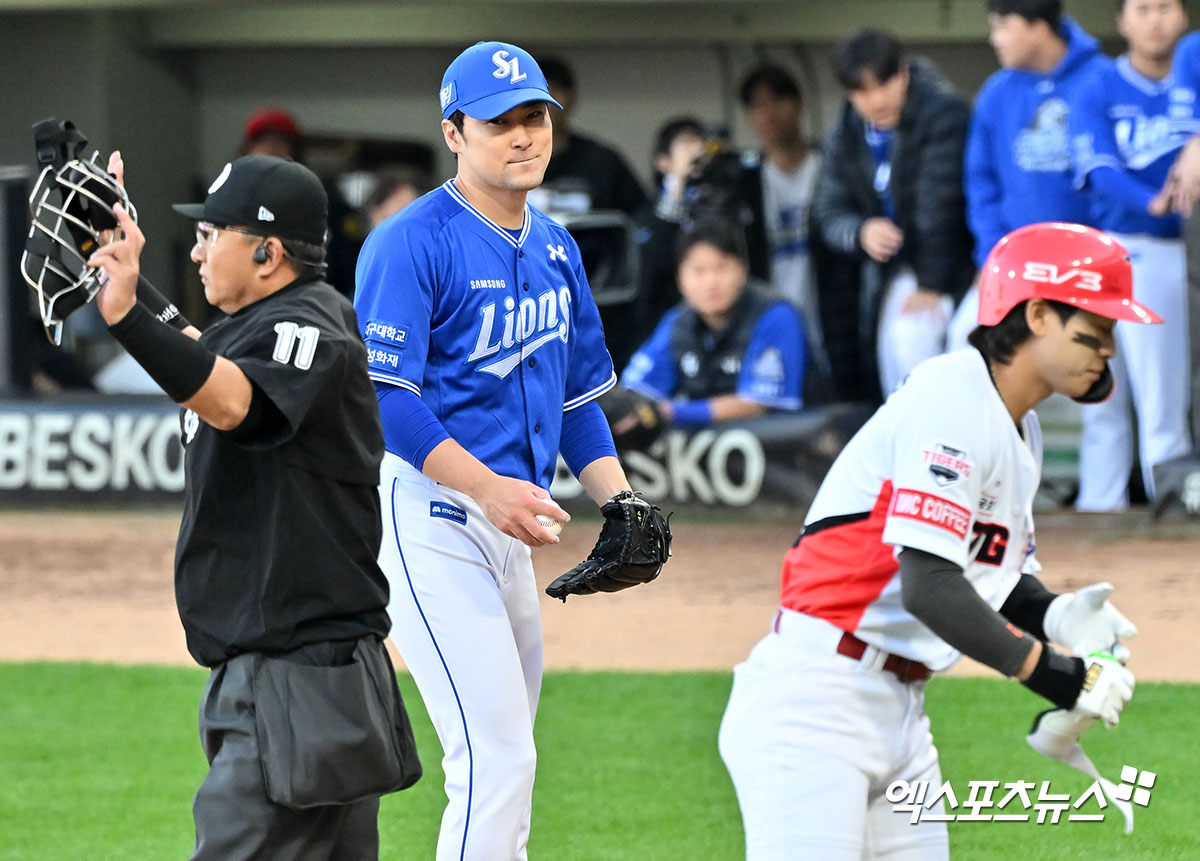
(1018, 162)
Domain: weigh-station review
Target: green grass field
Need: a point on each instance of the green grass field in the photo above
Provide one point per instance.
(100, 762)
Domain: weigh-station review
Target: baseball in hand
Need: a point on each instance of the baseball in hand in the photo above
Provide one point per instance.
(554, 526)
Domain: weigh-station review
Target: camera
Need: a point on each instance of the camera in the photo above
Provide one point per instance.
(716, 187)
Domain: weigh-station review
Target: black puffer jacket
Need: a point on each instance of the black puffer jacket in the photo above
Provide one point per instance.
(926, 183)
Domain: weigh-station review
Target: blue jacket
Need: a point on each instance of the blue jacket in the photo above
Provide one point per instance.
(1018, 162)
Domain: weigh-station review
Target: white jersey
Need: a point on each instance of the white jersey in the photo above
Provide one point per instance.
(787, 197)
(941, 468)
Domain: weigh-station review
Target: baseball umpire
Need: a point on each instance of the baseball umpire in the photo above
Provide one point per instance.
(919, 547)
(275, 570)
(487, 354)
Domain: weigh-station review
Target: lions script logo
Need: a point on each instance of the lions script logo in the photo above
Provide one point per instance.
(524, 329)
(947, 465)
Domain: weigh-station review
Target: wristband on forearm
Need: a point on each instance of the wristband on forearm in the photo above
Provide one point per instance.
(179, 364)
(692, 414)
(1057, 677)
(1026, 605)
(159, 306)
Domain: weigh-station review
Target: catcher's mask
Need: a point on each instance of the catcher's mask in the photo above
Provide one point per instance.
(1069, 263)
(71, 203)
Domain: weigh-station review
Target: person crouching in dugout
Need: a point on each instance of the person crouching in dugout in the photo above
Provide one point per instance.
(918, 548)
(730, 350)
(275, 573)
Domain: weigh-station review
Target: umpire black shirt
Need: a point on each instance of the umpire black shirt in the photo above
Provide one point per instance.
(281, 526)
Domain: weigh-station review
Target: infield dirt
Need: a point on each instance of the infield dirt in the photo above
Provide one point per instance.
(97, 586)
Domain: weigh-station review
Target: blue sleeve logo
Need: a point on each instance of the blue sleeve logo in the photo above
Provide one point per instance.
(376, 330)
(378, 357)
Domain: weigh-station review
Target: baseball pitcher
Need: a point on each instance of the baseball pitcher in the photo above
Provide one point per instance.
(487, 355)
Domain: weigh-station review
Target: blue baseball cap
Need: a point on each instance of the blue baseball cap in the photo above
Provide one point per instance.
(490, 78)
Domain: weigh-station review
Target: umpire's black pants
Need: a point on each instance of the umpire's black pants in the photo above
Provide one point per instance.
(234, 818)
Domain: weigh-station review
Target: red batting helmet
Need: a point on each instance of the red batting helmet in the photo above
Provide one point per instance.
(1067, 263)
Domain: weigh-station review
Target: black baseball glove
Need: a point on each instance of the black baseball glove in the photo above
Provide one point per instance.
(635, 419)
(634, 543)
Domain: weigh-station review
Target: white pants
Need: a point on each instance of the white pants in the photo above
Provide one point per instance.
(812, 739)
(904, 340)
(964, 321)
(1153, 376)
(465, 619)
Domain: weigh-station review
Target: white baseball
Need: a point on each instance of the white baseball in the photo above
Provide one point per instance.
(550, 523)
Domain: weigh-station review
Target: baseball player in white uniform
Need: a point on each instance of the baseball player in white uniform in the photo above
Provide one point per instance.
(1127, 126)
(919, 548)
(487, 354)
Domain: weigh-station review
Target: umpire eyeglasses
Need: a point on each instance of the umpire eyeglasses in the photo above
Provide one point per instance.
(206, 233)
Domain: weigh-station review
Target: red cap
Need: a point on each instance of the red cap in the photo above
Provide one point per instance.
(270, 122)
(1067, 263)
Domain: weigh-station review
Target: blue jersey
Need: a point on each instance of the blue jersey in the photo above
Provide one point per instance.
(495, 330)
(1017, 167)
(879, 142)
(772, 367)
(1125, 121)
(1185, 67)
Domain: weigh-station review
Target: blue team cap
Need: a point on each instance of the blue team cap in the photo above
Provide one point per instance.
(490, 78)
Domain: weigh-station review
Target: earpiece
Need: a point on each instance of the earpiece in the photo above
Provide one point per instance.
(261, 255)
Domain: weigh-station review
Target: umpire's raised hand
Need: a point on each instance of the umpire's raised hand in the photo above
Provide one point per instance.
(118, 262)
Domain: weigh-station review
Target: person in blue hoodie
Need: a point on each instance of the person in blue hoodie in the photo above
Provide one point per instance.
(1018, 167)
(1128, 123)
(1184, 186)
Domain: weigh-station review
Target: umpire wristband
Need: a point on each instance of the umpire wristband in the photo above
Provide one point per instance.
(1057, 677)
(159, 306)
(179, 364)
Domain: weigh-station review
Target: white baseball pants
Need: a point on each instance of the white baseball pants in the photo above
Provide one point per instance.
(812, 739)
(465, 619)
(1153, 375)
(904, 339)
(964, 321)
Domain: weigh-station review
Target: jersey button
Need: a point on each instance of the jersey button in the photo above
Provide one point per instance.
(520, 253)
(537, 428)
(526, 285)
(532, 362)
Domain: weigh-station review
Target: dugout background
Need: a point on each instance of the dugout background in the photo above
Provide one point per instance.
(171, 82)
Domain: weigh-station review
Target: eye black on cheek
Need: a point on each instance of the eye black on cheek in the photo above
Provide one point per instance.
(1087, 340)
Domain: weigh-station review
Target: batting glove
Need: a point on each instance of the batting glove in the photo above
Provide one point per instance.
(1107, 688)
(1056, 732)
(1085, 622)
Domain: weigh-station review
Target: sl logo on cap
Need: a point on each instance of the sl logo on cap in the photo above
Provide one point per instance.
(506, 68)
(447, 94)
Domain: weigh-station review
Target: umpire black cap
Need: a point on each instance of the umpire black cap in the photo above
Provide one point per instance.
(271, 195)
